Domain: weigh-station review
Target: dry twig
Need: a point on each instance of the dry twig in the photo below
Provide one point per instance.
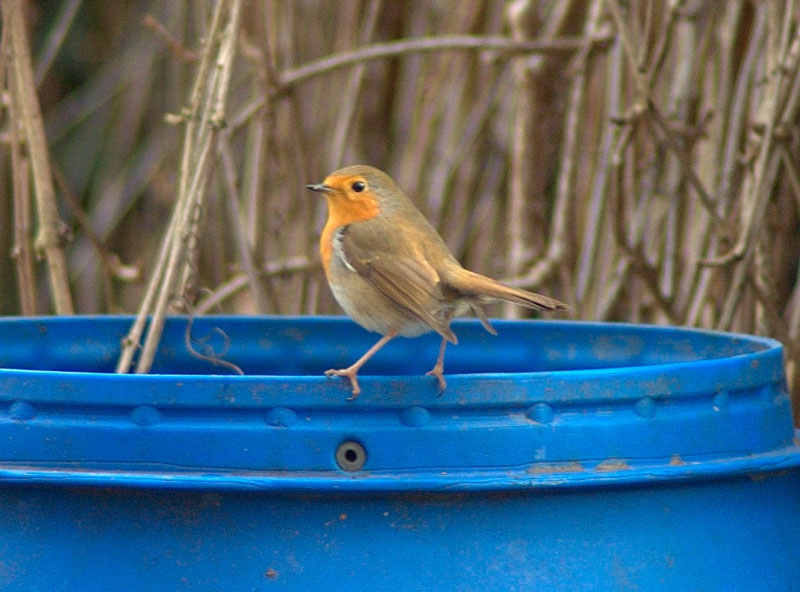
(50, 234)
(203, 119)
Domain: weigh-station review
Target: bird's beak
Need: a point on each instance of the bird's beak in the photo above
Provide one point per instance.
(321, 187)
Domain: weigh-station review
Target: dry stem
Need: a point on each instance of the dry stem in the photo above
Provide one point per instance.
(50, 235)
(203, 119)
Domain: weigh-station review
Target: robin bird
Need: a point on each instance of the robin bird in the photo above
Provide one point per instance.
(391, 272)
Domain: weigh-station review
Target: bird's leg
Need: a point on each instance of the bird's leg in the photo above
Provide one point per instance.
(351, 372)
(438, 368)
(477, 309)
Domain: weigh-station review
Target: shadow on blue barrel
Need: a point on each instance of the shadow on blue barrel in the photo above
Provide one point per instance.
(562, 456)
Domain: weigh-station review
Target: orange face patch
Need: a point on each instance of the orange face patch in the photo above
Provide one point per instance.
(345, 206)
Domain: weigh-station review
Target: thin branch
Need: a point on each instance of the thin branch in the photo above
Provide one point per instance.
(792, 173)
(623, 268)
(294, 76)
(523, 150)
(56, 38)
(759, 192)
(240, 234)
(776, 322)
(663, 42)
(735, 107)
(645, 105)
(175, 46)
(343, 127)
(636, 259)
(131, 343)
(50, 234)
(235, 284)
(640, 83)
(743, 274)
(109, 263)
(203, 120)
(587, 271)
(677, 148)
(557, 246)
(22, 252)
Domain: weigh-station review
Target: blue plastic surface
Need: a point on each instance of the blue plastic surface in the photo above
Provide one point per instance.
(562, 455)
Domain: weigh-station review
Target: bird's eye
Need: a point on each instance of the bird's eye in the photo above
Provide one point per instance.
(359, 186)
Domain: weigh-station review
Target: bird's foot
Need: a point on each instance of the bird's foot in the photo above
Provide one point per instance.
(352, 374)
(438, 372)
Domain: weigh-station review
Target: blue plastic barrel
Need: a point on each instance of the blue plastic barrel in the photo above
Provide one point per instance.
(562, 456)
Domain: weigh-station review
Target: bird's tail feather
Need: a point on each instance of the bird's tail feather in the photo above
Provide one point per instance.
(469, 282)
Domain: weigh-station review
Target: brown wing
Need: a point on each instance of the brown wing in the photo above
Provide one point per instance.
(399, 271)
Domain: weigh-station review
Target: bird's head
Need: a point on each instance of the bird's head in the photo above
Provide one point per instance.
(359, 192)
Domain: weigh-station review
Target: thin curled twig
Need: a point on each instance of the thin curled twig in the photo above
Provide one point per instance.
(212, 357)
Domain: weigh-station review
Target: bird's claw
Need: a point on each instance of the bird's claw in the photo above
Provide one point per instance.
(347, 373)
(438, 372)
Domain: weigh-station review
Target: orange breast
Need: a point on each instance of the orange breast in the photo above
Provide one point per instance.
(342, 211)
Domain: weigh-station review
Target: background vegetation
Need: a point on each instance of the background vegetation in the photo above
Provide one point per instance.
(638, 159)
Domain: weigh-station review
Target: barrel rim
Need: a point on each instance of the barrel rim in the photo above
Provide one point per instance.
(487, 431)
(746, 370)
(611, 473)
